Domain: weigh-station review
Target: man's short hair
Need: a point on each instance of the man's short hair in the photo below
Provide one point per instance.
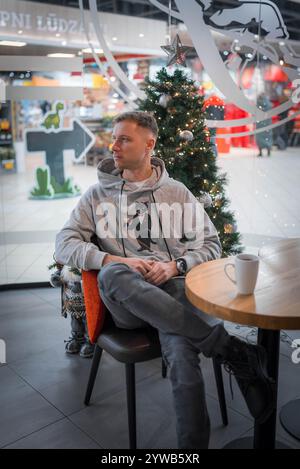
(143, 119)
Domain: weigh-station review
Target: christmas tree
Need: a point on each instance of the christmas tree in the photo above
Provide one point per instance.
(184, 146)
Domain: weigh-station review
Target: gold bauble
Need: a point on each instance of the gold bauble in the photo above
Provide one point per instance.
(228, 228)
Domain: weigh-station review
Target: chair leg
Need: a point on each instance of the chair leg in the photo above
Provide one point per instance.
(93, 374)
(131, 403)
(220, 389)
(163, 368)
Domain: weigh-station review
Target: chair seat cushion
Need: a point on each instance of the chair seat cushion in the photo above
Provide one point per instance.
(130, 346)
(94, 307)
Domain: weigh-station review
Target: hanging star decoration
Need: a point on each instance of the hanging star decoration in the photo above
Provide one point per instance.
(177, 52)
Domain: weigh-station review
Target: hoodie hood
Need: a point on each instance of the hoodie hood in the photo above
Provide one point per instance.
(111, 178)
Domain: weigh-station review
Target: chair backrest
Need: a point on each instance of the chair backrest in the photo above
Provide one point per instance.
(94, 306)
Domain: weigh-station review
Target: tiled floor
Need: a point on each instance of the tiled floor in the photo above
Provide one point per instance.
(42, 389)
(264, 194)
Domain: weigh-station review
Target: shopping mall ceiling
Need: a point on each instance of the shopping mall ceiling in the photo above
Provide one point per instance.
(290, 10)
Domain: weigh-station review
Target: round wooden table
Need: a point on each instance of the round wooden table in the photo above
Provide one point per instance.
(275, 305)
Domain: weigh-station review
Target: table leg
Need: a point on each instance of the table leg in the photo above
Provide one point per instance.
(265, 433)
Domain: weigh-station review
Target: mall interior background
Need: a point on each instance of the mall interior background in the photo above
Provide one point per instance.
(264, 192)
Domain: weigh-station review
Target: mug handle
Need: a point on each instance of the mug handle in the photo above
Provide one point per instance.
(227, 274)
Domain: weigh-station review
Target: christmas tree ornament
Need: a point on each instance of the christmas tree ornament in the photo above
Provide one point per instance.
(205, 199)
(186, 135)
(228, 228)
(177, 52)
(164, 100)
(218, 201)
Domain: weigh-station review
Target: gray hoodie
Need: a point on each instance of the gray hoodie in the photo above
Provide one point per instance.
(157, 219)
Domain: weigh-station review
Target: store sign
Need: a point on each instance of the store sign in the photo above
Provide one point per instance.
(51, 23)
(43, 23)
(39, 22)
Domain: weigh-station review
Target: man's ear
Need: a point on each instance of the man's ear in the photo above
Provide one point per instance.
(151, 144)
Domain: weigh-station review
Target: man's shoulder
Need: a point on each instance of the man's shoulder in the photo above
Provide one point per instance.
(91, 194)
(92, 190)
(174, 186)
(174, 183)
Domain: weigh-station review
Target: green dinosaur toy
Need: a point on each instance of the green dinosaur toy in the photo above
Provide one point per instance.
(53, 119)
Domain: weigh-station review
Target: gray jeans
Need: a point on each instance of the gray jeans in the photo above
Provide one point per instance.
(184, 332)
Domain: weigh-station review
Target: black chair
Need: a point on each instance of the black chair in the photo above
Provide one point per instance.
(131, 347)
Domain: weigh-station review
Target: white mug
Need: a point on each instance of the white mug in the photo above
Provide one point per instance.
(246, 272)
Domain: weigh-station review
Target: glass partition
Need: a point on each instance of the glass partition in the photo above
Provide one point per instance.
(55, 117)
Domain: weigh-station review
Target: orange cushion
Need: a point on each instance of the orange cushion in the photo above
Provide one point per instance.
(94, 306)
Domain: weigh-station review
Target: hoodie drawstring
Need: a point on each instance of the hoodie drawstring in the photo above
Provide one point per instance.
(161, 229)
(120, 218)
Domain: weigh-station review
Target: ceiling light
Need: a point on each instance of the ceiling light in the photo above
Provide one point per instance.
(57, 35)
(281, 62)
(88, 50)
(64, 43)
(114, 38)
(13, 43)
(60, 54)
(142, 35)
(20, 31)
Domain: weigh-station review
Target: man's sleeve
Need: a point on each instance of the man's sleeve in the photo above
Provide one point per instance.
(202, 241)
(72, 244)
